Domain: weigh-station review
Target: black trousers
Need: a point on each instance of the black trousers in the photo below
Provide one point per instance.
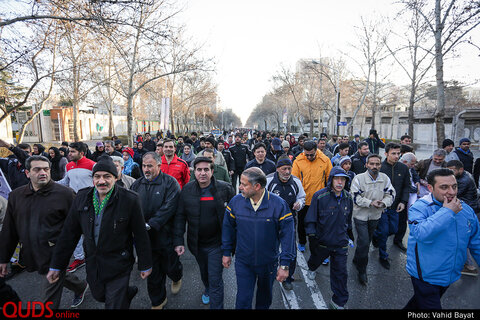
(113, 293)
(426, 296)
(165, 263)
(302, 237)
(338, 269)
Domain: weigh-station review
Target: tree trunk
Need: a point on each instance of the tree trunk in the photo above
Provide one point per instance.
(440, 111)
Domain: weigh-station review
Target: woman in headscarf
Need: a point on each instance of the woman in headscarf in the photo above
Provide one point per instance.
(138, 153)
(130, 167)
(188, 155)
(58, 163)
(39, 150)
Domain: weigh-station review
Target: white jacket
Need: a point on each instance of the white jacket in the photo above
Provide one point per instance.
(365, 190)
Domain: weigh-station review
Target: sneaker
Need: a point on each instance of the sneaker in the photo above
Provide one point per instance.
(287, 285)
(176, 286)
(470, 272)
(333, 305)
(205, 299)
(75, 265)
(161, 305)
(325, 262)
(400, 246)
(301, 247)
(311, 275)
(78, 299)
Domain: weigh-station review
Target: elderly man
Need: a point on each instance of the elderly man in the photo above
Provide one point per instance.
(110, 218)
(289, 188)
(256, 223)
(123, 180)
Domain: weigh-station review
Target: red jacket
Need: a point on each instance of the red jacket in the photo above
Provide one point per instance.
(177, 168)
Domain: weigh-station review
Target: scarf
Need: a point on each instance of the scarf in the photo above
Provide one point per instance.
(128, 166)
(99, 206)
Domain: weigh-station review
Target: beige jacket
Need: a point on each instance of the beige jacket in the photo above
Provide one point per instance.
(365, 190)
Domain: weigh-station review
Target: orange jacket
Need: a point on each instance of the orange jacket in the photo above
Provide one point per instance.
(313, 174)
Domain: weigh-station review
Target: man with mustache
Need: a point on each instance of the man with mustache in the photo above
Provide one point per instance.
(372, 192)
(159, 193)
(110, 218)
(328, 224)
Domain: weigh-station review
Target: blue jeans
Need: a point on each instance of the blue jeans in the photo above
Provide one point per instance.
(247, 277)
(209, 261)
(387, 225)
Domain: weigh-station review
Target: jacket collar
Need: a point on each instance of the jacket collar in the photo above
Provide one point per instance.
(42, 191)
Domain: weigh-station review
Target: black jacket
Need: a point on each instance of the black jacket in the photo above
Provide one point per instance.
(189, 211)
(358, 164)
(467, 191)
(241, 155)
(122, 223)
(159, 200)
(399, 176)
(35, 220)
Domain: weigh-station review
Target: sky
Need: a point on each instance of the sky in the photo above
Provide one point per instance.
(252, 39)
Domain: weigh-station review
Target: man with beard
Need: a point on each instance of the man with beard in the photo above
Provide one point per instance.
(372, 192)
(159, 194)
(78, 176)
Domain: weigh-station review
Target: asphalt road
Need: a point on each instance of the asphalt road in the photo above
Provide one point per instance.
(386, 289)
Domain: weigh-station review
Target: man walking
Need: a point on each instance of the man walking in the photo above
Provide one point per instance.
(372, 192)
(328, 225)
(312, 167)
(78, 176)
(202, 205)
(260, 161)
(256, 223)
(173, 165)
(241, 155)
(159, 194)
(399, 176)
(35, 217)
(110, 218)
(289, 188)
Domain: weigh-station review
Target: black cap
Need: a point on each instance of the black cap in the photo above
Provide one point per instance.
(105, 163)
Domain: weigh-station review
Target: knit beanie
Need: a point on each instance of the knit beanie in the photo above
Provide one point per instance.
(105, 163)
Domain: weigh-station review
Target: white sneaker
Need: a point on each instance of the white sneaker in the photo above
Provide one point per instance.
(311, 274)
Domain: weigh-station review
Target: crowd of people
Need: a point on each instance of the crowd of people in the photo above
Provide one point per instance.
(243, 194)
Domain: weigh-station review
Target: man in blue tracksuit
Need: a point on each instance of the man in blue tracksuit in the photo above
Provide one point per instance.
(441, 229)
(328, 224)
(256, 223)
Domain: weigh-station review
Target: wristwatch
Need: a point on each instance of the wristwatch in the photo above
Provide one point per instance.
(284, 267)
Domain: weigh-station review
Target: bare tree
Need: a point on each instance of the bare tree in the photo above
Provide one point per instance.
(413, 52)
(449, 23)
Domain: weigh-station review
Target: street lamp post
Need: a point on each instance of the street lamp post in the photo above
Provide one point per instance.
(337, 92)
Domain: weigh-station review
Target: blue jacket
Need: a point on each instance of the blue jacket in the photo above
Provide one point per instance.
(256, 235)
(438, 241)
(330, 217)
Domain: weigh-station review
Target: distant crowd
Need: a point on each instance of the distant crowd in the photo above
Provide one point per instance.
(242, 194)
